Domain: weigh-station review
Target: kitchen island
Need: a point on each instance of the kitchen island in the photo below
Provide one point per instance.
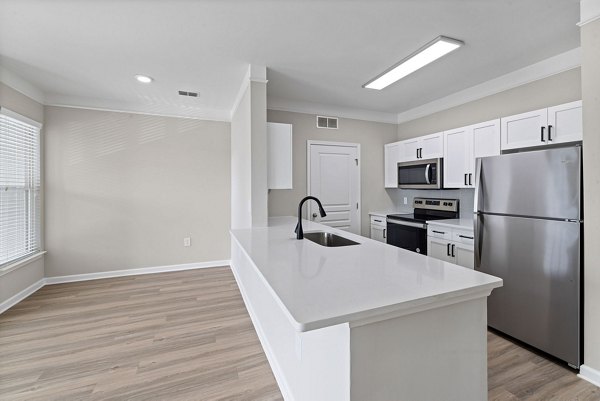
(362, 322)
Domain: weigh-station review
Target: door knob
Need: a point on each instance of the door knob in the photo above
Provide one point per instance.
(314, 215)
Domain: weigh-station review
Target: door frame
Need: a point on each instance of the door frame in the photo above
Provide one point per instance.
(311, 142)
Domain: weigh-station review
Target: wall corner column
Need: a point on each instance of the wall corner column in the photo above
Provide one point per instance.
(590, 85)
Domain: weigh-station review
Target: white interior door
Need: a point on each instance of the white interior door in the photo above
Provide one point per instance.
(334, 178)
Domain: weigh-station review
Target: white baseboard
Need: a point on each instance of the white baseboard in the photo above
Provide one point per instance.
(15, 299)
(277, 371)
(589, 374)
(134, 272)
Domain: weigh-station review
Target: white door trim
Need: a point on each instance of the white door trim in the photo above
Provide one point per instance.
(311, 142)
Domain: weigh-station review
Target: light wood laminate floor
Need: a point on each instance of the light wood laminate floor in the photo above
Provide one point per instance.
(186, 336)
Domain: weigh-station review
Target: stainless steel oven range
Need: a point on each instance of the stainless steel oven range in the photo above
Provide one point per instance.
(409, 231)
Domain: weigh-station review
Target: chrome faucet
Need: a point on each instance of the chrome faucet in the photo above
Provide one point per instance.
(298, 230)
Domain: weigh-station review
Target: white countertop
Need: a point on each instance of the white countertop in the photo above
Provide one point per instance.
(380, 213)
(465, 224)
(318, 286)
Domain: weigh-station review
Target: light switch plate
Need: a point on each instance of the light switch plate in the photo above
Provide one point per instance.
(187, 241)
(405, 200)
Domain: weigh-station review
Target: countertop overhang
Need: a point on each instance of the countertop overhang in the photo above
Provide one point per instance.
(317, 286)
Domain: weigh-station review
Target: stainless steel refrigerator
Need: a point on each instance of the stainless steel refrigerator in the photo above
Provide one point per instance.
(529, 232)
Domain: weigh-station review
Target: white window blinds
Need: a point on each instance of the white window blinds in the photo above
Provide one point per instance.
(19, 186)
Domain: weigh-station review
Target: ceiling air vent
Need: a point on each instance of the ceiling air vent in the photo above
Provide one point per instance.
(327, 122)
(190, 94)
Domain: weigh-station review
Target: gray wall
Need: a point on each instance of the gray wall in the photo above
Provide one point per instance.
(19, 103)
(560, 88)
(123, 190)
(371, 136)
(590, 44)
(17, 280)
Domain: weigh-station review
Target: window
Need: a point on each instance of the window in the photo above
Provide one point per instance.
(19, 186)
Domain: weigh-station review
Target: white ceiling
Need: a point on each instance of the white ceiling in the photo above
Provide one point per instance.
(85, 53)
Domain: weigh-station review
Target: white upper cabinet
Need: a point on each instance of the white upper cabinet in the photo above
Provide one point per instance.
(432, 146)
(423, 147)
(565, 123)
(279, 156)
(558, 124)
(457, 160)
(524, 130)
(486, 139)
(391, 158)
(410, 149)
(462, 146)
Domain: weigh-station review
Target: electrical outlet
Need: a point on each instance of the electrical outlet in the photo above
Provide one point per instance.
(187, 241)
(405, 200)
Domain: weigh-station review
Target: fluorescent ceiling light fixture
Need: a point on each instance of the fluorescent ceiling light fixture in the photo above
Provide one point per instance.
(433, 50)
(144, 79)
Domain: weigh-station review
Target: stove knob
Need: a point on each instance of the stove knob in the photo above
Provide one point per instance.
(418, 250)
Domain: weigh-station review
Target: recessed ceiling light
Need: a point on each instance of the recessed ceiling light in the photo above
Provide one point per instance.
(144, 79)
(433, 50)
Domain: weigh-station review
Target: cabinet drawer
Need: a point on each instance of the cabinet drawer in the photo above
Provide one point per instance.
(439, 232)
(463, 236)
(378, 221)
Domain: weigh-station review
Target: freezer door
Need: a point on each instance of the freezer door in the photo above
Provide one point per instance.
(542, 183)
(539, 302)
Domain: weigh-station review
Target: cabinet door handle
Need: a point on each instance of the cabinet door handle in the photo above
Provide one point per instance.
(379, 221)
(453, 246)
(549, 133)
(464, 236)
(384, 233)
(438, 232)
(470, 177)
(448, 250)
(465, 179)
(542, 134)
(417, 153)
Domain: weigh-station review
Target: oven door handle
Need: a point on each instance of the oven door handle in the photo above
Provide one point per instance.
(407, 223)
(427, 173)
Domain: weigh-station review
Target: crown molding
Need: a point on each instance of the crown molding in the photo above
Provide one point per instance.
(115, 107)
(534, 72)
(589, 11)
(298, 106)
(21, 85)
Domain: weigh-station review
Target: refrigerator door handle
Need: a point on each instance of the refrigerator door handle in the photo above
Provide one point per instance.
(478, 222)
(477, 184)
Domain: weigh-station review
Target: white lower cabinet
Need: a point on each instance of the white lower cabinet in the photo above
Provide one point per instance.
(378, 228)
(454, 245)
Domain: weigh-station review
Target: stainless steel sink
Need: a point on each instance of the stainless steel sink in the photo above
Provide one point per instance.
(328, 239)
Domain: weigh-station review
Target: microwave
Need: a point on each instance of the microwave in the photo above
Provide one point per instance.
(420, 174)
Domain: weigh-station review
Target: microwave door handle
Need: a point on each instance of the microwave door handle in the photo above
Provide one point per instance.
(427, 174)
